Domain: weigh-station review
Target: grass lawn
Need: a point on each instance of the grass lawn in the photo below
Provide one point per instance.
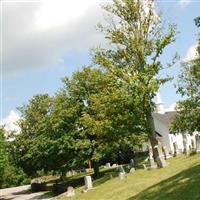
(179, 181)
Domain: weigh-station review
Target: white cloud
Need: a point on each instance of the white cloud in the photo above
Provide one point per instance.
(184, 3)
(10, 122)
(191, 53)
(39, 34)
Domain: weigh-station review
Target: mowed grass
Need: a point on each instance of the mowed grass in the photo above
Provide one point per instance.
(179, 181)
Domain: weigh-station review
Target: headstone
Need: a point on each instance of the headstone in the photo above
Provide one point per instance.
(70, 191)
(121, 169)
(144, 166)
(160, 159)
(108, 165)
(185, 145)
(161, 162)
(132, 170)
(192, 144)
(114, 165)
(88, 183)
(132, 166)
(175, 149)
(121, 175)
(69, 173)
(89, 170)
(132, 163)
(151, 160)
(166, 152)
(74, 173)
(197, 138)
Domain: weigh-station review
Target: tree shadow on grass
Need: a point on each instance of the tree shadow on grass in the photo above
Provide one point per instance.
(78, 180)
(182, 186)
(105, 176)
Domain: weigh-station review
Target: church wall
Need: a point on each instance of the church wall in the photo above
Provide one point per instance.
(164, 131)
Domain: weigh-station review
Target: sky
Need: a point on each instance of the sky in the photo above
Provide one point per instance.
(45, 40)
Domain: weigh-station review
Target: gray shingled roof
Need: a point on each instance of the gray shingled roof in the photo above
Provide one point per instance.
(165, 118)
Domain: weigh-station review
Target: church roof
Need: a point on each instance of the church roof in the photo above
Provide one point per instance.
(165, 118)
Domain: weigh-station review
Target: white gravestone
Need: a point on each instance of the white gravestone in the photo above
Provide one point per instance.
(121, 175)
(88, 183)
(108, 165)
(121, 169)
(132, 170)
(114, 165)
(70, 192)
(132, 165)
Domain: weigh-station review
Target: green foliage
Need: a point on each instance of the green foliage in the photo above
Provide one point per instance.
(197, 21)
(137, 38)
(3, 156)
(99, 110)
(10, 175)
(188, 86)
(107, 119)
(88, 119)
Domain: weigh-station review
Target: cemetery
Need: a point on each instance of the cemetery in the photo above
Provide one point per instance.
(180, 176)
(93, 126)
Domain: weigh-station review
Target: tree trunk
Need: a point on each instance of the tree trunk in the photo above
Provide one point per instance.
(96, 169)
(89, 164)
(158, 158)
(63, 175)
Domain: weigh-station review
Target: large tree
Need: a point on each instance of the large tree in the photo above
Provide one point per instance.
(107, 120)
(138, 38)
(89, 118)
(47, 140)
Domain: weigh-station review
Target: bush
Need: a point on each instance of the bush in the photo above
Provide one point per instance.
(12, 177)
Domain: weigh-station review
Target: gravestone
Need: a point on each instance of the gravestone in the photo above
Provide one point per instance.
(164, 152)
(132, 166)
(160, 159)
(185, 145)
(89, 170)
(132, 163)
(175, 149)
(192, 145)
(121, 175)
(88, 183)
(74, 172)
(108, 165)
(144, 166)
(197, 138)
(151, 160)
(114, 165)
(121, 169)
(132, 170)
(70, 192)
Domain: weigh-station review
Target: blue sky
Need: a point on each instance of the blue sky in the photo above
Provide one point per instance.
(38, 52)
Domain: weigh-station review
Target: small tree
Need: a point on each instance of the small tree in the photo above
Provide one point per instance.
(188, 86)
(137, 38)
(3, 156)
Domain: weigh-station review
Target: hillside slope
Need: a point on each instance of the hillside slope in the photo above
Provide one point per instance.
(179, 181)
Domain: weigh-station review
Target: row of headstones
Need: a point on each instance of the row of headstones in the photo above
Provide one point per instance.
(88, 179)
(75, 172)
(187, 149)
(88, 186)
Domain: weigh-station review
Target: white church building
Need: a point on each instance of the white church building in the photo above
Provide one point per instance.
(172, 143)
